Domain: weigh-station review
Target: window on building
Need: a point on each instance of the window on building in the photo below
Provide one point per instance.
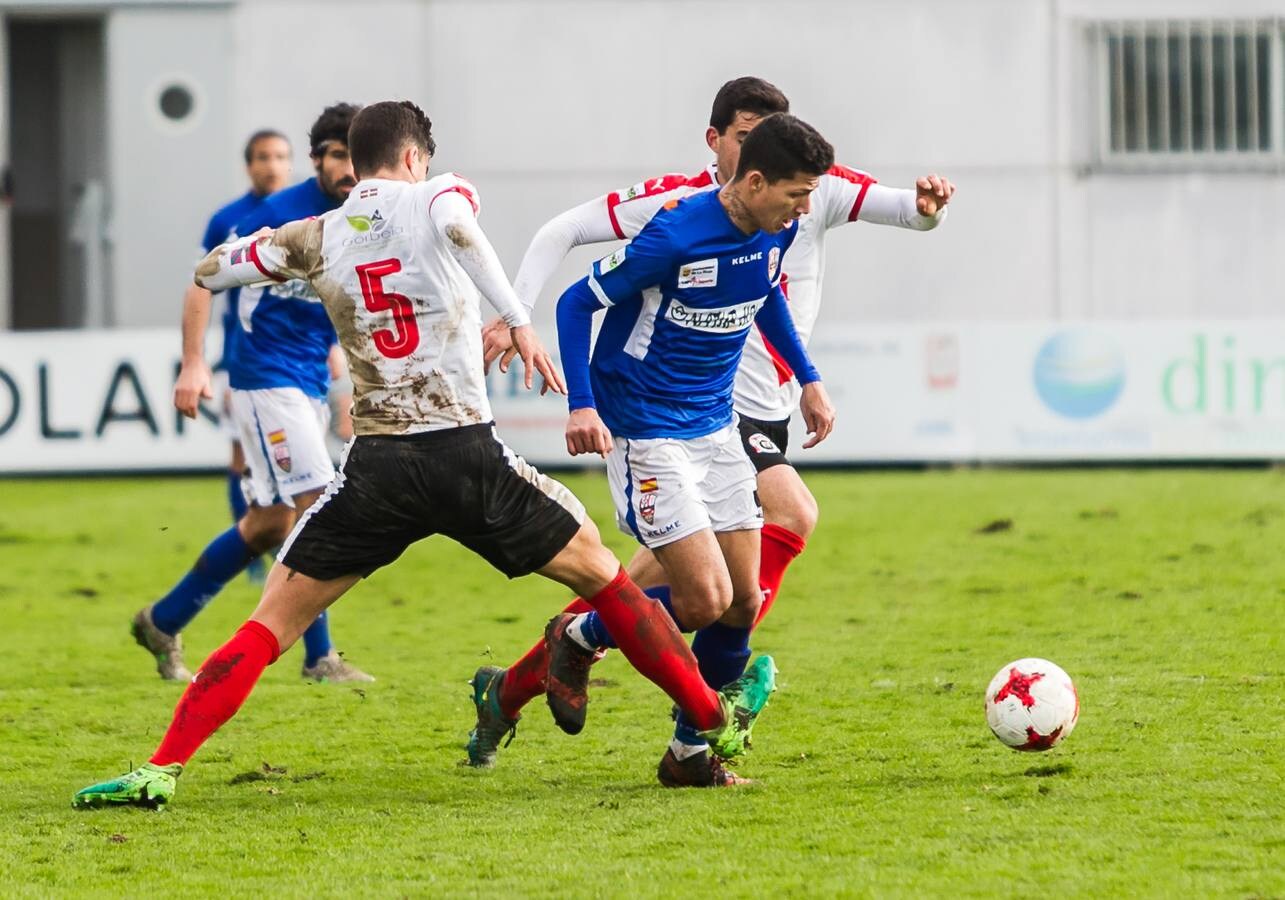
(1191, 91)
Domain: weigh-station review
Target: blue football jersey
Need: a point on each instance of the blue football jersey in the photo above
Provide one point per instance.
(284, 336)
(681, 299)
(221, 224)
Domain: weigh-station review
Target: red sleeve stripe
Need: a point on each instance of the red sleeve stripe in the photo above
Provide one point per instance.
(855, 176)
(458, 189)
(252, 253)
(613, 200)
(861, 198)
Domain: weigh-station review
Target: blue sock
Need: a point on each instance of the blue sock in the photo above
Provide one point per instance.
(316, 640)
(236, 496)
(722, 652)
(218, 564)
(595, 632)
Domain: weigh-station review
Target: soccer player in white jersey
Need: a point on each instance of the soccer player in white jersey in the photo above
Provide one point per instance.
(765, 394)
(398, 268)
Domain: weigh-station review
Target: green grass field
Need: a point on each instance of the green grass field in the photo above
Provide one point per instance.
(1162, 592)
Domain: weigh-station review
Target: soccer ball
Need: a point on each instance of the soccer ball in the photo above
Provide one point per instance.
(1032, 704)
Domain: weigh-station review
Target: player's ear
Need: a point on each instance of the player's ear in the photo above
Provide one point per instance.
(711, 137)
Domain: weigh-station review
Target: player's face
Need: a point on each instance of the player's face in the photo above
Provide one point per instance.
(727, 146)
(334, 170)
(269, 166)
(775, 205)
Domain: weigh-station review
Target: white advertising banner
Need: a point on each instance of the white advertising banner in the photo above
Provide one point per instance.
(1046, 391)
(99, 401)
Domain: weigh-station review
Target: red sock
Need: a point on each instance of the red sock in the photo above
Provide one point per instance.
(780, 547)
(648, 638)
(528, 678)
(217, 692)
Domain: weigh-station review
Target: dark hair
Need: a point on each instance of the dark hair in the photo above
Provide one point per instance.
(262, 134)
(381, 130)
(331, 125)
(745, 95)
(783, 146)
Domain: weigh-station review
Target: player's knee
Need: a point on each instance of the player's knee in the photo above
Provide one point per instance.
(266, 527)
(797, 511)
(702, 604)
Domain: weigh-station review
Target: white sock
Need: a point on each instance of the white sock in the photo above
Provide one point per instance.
(576, 634)
(682, 751)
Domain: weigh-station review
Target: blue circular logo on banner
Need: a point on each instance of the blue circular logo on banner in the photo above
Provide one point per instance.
(1079, 373)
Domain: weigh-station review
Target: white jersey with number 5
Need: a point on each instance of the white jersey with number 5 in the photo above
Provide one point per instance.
(396, 268)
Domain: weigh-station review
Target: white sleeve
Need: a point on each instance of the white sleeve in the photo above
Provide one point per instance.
(240, 263)
(451, 213)
(588, 223)
(896, 206)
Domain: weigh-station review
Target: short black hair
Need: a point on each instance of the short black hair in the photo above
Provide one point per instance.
(381, 130)
(331, 125)
(746, 94)
(783, 146)
(262, 134)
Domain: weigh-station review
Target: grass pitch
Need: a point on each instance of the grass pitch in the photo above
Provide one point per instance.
(1162, 592)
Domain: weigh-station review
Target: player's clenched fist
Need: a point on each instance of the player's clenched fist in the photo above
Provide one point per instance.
(932, 193)
(526, 343)
(193, 385)
(586, 433)
(818, 413)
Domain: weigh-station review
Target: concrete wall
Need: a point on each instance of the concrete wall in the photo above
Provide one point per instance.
(544, 103)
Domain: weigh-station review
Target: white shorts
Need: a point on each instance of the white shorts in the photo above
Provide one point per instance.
(223, 402)
(667, 488)
(283, 436)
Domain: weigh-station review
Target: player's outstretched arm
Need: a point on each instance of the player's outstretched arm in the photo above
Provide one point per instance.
(256, 259)
(777, 324)
(588, 223)
(922, 209)
(586, 432)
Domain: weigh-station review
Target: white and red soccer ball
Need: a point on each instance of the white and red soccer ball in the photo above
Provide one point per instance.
(1032, 704)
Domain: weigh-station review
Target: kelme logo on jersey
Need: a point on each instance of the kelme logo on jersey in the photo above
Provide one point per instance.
(773, 263)
(607, 263)
(703, 273)
(724, 320)
(364, 224)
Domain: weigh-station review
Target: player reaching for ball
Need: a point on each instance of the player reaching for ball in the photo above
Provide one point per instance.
(398, 268)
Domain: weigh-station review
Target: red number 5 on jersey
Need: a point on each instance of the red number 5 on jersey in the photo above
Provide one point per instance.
(403, 341)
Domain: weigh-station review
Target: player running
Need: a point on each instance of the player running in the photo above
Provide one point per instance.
(267, 163)
(279, 376)
(398, 269)
(764, 395)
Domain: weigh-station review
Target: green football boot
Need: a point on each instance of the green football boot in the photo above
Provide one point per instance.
(148, 786)
(742, 702)
(492, 726)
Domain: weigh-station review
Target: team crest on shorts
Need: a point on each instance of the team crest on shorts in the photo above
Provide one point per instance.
(280, 449)
(647, 508)
(761, 443)
(773, 263)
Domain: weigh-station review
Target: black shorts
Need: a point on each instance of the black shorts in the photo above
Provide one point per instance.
(765, 442)
(463, 483)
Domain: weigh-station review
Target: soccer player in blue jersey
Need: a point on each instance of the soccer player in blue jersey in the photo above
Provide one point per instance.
(279, 377)
(655, 398)
(267, 163)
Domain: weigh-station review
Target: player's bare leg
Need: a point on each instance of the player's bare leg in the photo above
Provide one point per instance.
(291, 602)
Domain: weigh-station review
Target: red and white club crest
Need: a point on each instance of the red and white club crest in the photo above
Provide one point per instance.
(773, 262)
(280, 449)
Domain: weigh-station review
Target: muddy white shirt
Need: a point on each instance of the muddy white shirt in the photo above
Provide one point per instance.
(764, 387)
(398, 268)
